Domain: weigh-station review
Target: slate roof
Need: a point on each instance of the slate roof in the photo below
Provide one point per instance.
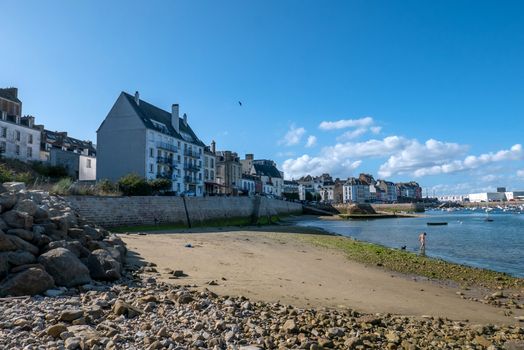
(6, 93)
(267, 170)
(150, 114)
(57, 140)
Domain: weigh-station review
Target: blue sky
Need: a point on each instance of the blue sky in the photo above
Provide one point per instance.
(429, 91)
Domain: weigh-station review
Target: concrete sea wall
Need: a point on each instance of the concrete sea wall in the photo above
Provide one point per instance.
(151, 210)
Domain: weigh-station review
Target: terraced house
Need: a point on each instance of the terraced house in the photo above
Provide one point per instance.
(138, 137)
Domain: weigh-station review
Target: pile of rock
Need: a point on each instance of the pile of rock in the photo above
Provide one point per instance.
(44, 244)
(142, 313)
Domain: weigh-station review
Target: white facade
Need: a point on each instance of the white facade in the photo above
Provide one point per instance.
(327, 193)
(487, 197)
(452, 198)
(87, 168)
(247, 186)
(355, 193)
(19, 141)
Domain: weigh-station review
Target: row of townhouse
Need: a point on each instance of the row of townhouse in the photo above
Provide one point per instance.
(22, 139)
(364, 189)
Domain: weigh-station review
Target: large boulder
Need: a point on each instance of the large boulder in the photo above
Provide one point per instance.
(4, 265)
(26, 206)
(20, 257)
(18, 219)
(14, 186)
(103, 266)
(74, 246)
(20, 232)
(23, 245)
(95, 234)
(7, 201)
(41, 215)
(66, 269)
(31, 281)
(3, 225)
(5, 243)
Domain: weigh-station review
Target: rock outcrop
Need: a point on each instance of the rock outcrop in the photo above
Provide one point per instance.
(45, 244)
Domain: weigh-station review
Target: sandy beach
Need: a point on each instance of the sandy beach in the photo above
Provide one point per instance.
(276, 266)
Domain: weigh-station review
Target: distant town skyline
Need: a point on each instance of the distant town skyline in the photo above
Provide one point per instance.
(429, 92)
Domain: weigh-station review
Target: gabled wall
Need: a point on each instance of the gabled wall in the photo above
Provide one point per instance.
(121, 143)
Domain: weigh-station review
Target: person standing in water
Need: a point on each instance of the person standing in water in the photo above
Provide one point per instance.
(422, 241)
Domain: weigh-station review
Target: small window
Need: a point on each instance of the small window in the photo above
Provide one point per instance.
(3, 146)
(17, 135)
(4, 132)
(30, 138)
(151, 166)
(17, 150)
(88, 165)
(212, 163)
(151, 152)
(29, 152)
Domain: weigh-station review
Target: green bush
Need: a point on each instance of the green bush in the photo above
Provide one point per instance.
(24, 177)
(55, 172)
(62, 187)
(160, 185)
(106, 187)
(134, 185)
(5, 174)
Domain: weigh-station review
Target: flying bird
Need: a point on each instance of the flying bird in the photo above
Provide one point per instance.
(240, 103)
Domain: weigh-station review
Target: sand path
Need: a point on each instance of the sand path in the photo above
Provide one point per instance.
(275, 267)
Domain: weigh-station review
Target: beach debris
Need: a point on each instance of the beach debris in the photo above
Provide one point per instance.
(188, 245)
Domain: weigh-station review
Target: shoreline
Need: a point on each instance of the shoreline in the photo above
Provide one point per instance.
(282, 263)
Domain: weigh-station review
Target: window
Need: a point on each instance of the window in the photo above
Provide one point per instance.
(17, 150)
(200, 176)
(212, 175)
(17, 135)
(88, 164)
(151, 167)
(151, 152)
(178, 144)
(4, 132)
(29, 152)
(30, 138)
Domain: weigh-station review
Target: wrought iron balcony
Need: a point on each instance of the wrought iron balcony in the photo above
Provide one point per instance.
(167, 161)
(192, 154)
(192, 167)
(166, 175)
(167, 146)
(191, 180)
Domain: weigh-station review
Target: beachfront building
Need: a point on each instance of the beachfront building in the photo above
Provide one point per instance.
(19, 137)
(228, 172)
(408, 191)
(272, 179)
(327, 192)
(210, 184)
(248, 184)
(487, 197)
(138, 137)
(356, 191)
(389, 190)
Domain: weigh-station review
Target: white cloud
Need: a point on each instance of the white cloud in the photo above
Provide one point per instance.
(352, 134)
(376, 129)
(305, 164)
(293, 136)
(346, 123)
(311, 141)
(520, 173)
(440, 158)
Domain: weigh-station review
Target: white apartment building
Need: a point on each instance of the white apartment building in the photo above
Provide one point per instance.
(138, 137)
(355, 191)
(19, 138)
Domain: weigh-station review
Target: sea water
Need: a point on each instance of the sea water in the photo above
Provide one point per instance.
(467, 239)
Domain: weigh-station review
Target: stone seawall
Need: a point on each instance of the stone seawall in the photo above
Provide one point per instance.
(151, 210)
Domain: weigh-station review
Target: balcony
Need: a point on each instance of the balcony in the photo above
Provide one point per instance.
(167, 161)
(192, 154)
(166, 175)
(190, 180)
(192, 167)
(167, 146)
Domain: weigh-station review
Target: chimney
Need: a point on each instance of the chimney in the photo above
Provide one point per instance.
(250, 156)
(31, 121)
(174, 117)
(213, 146)
(137, 98)
(185, 119)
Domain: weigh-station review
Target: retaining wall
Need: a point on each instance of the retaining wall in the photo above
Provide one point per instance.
(151, 210)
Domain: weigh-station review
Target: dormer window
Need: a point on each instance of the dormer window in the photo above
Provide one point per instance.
(4, 115)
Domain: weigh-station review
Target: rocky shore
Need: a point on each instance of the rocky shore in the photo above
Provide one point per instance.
(84, 297)
(44, 244)
(141, 313)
